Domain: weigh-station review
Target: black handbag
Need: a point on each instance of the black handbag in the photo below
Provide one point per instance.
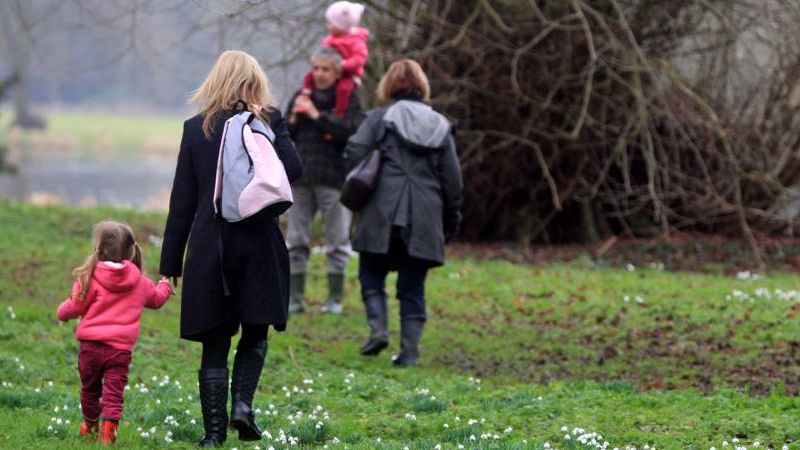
(361, 181)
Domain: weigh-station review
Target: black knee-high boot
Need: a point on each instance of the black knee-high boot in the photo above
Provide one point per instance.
(214, 404)
(410, 334)
(375, 304)
(247, 367)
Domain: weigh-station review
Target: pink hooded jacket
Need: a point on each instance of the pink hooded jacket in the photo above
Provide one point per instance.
(113, 305)
(353, 48)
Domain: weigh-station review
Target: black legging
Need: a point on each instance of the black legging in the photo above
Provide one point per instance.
(217, 343)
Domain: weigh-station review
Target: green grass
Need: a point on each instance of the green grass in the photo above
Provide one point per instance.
(510, 350)
(96, 135)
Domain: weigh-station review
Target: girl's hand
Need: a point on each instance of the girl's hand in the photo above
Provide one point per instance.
(165, 279)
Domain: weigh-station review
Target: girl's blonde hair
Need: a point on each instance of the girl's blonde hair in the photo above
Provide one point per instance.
(404, 76)
(235, 77)
(113, 241)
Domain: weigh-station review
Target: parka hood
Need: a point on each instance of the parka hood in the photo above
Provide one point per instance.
(117, 279)
(417, 124)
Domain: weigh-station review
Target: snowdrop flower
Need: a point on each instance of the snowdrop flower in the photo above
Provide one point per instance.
(445, 426)
(630, 267)
(335, 440)
(471, 437)
(508, 430)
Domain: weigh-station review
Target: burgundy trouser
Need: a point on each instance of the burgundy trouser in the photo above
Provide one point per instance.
(104, 373)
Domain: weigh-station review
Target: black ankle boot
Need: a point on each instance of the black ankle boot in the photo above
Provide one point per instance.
(410, 333)
(214, 403)
(247, 367)
(377, 312)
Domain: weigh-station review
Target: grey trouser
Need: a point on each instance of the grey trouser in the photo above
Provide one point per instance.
(335, 222)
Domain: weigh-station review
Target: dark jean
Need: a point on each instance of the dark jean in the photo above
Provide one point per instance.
(104, 373)
(411, 273)
(217, 343)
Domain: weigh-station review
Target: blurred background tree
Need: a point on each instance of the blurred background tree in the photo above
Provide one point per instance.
(581, 119)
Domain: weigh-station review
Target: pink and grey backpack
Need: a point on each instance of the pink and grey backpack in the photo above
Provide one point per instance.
(250, 176)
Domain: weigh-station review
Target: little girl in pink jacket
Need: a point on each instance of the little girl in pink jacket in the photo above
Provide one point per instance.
(109, 295)
(350, 41)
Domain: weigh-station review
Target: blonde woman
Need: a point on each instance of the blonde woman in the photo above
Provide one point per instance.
(414, 209)
(255, 261)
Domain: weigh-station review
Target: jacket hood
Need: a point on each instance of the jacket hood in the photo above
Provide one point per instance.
(417, 124)
(355, 34)
(358, 33)
(117, 279)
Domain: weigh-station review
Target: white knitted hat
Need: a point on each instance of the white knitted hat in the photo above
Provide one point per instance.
(344, 15)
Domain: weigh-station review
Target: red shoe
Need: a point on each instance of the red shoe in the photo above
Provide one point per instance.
(108, 434)
(89, 428)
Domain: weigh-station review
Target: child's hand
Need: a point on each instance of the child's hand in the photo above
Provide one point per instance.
(166, 280)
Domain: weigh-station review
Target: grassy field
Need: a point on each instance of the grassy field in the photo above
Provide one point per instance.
(75, 134)
(570, 356)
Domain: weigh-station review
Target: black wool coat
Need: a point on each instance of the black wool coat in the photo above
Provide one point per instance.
(254, 256)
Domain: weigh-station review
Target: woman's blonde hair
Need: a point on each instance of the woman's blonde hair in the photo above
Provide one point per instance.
(404, 76)
(113, 241)
(235, 77)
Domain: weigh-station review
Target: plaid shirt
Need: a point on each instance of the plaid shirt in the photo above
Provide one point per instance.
(320, 143)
